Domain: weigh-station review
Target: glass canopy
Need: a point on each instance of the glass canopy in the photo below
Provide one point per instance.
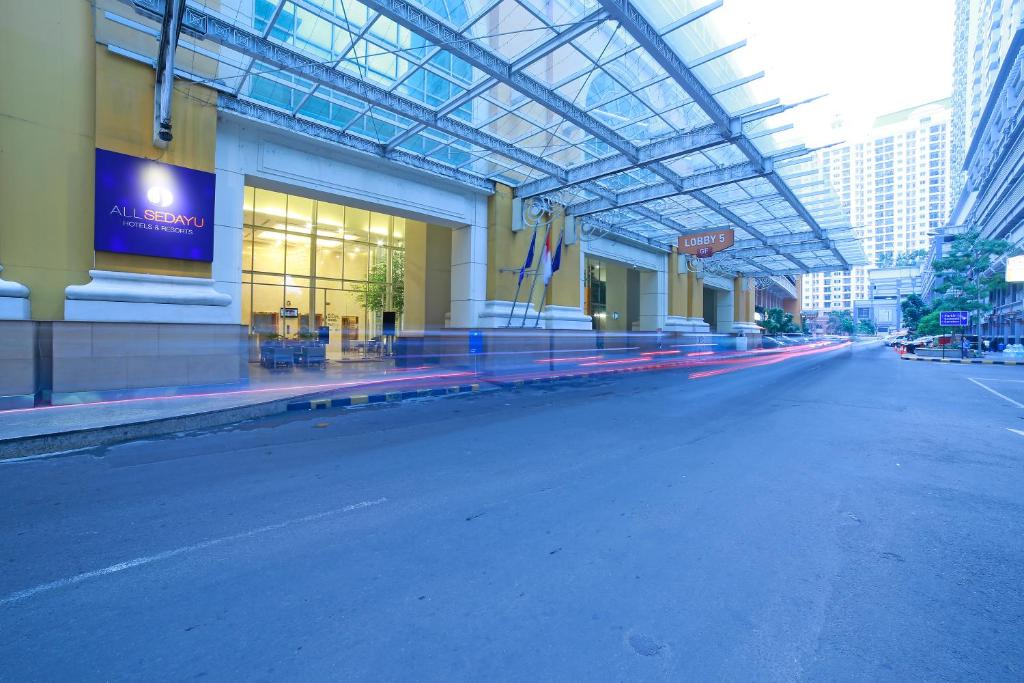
(630, 114)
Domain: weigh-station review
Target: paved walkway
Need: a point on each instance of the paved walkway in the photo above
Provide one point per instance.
(47, 429)
(263, 388)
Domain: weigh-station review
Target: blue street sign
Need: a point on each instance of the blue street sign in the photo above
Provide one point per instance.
(476, 341)
(954, 318)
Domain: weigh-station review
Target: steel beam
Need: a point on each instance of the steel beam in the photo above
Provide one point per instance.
(253, 45)
(256, 112)
(539, 52)
(662, 150)
(424, 23)
(698, 181)
(644, 33)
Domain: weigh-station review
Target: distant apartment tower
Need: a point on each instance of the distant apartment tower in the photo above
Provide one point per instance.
(982, 33)
(895, 186)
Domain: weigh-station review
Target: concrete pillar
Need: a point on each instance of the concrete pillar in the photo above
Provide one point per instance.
(681, 299)
(725, 309)
(653, 299)
(743, 306)
(469, 276)
(427, 276)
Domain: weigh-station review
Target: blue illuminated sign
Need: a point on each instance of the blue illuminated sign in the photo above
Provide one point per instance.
(476, 341)
(954, 319)
(153, 209)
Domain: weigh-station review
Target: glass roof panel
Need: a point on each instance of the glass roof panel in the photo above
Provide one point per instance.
(621, 92)
(509, 30)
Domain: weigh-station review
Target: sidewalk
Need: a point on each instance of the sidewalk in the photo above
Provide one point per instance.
(55, 428)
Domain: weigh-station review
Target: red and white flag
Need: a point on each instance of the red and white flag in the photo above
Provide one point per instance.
(545, 260)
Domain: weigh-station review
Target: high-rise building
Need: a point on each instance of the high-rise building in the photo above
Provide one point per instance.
(895, 186)
(990, 152)
(983, 31)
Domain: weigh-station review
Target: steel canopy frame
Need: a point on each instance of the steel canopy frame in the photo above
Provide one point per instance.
(637, 25)
(628, 201)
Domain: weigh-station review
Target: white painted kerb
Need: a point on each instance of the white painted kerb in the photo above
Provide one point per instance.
(14, 302)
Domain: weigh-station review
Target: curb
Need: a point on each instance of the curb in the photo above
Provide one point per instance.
(387, 397)
(54, 444)
(965, 361)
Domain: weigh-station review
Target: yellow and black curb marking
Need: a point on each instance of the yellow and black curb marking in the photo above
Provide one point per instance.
(388, 397)
(966, 361)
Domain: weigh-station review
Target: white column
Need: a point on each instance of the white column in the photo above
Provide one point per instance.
(654, 298)
(227, 239)
(469, 275)
(724, 309)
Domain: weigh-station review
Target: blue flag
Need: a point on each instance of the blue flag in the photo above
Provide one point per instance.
(557, 259)
(529, 258)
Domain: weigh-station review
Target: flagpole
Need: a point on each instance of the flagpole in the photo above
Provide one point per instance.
(522, 273)
(536, 323)
(533, 283)
(512, 312)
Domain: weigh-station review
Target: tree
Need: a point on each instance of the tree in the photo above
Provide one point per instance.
(840, 322)
(777, 321)
(914, 308)
(884, 260)
(374, 294)
(866, 327)
(965, 276)
(928, 325)
(910, 258)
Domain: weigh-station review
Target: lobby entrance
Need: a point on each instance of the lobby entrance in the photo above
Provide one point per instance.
(318, 272)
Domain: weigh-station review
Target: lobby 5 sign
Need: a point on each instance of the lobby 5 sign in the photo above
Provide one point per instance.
(153, 209)
(705, 244)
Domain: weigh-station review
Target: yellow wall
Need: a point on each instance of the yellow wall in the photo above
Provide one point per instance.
(47, 128)
(695, 286)
(506, 249)
(678, 288)
(61, 96)
(617, 297)
(792, 306)
(428, 251)
(567, 283)
(743, 299)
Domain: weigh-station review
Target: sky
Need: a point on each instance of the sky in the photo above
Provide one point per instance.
(871, 57)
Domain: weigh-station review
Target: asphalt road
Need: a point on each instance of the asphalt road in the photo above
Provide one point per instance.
(847, 516)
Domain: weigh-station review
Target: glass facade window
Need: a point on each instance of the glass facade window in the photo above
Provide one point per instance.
(341, 267)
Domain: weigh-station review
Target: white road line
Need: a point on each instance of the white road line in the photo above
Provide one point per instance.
(1016, 431)
(167, 554)
(990, 389)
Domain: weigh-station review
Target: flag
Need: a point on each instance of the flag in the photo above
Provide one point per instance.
(545, 260)
(529, 258)
(556, 262)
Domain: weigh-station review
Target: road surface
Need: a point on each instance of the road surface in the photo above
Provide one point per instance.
(846, 516)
